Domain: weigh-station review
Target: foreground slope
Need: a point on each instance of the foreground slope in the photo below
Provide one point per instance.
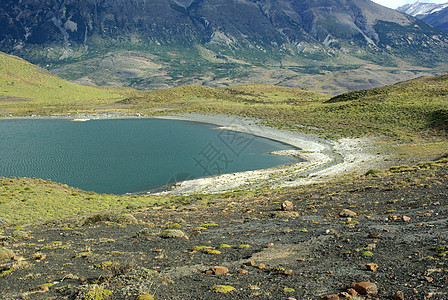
(394, 238)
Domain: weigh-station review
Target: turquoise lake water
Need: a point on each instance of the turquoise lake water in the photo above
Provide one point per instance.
(128, 155)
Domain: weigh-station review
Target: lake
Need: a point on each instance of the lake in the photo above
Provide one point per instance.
(121, 156)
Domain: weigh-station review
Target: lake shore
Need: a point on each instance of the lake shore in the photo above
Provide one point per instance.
(324, 159)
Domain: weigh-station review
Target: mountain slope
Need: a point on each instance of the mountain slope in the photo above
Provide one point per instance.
(217, 42)
(432, 13)
(438, 19)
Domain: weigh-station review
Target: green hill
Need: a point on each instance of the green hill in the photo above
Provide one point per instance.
(406, 110)
(25, 88)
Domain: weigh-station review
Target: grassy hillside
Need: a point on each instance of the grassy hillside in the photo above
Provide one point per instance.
(403, 111)
(26, 88)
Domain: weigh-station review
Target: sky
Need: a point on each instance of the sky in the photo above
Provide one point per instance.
(396, 3)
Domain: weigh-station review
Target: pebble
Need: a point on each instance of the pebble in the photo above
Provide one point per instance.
(347, 213)
(287, 205)
(374, 235)
(287, 272)
(196, 233)
(250, 263)
(398, 296)
(44, 288)
(40, 256)
(218, 270)
(405, 218)
(366, 288)
(370, 246)
(173, 233)
(372, 267)
(242, 271)
(331, 297)
(352, 292)
(261, 266)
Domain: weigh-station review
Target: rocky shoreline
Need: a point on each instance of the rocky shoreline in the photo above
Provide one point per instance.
(324, 159)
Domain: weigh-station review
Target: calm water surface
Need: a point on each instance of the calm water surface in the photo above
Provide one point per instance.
(128, 155)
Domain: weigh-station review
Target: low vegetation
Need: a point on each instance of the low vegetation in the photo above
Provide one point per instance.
(25, 200)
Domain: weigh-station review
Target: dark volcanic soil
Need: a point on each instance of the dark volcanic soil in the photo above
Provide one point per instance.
(401, 222)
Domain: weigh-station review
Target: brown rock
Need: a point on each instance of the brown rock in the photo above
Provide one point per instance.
(352, 292)
(44, 288)
(196, 233)
(374, 235)
(366, 288)
(220, 270)
(250, 263)
(287, 205)
(405, 218)
(287, 272)
(261, 266)
(345, 295)
(398, 296)
(242, 271)
(331, 297)
(371, 246)
(372, 267)
(209, 272)
(40, 256)
(347, 213)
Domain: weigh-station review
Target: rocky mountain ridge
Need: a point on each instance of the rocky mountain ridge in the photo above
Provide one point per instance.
(432, 13)
(216, 41)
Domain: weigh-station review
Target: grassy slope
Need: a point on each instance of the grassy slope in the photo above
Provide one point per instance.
(404, 111)
(26, 88)
(25, 200)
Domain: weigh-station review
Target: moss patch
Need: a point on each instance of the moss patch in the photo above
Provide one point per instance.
(98, 294)
(223, 289)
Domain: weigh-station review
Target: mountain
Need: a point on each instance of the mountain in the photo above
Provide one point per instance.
(348, 44)
(432, 13)
(421, 9)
